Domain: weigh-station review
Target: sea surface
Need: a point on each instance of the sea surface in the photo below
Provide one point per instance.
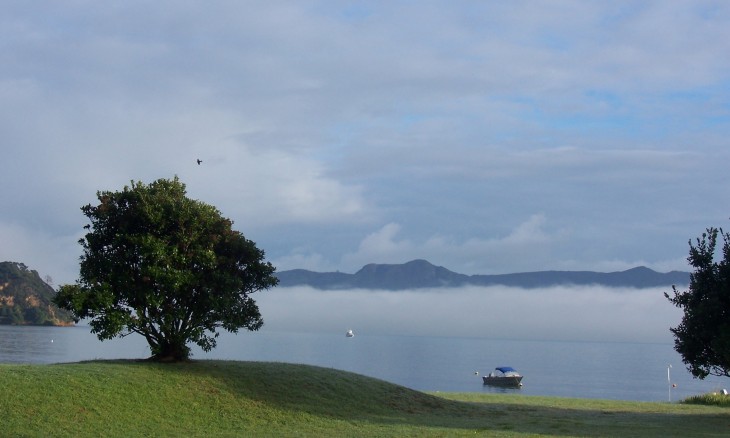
(619, 371)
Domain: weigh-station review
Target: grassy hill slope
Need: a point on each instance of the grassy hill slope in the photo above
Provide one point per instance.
(223, 398)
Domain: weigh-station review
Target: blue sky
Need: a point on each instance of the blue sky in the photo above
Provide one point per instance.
(483, 136)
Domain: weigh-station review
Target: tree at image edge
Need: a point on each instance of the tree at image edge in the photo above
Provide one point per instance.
(703, 336)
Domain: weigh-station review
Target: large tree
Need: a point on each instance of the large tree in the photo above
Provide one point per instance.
(167, 267)
(703, 336)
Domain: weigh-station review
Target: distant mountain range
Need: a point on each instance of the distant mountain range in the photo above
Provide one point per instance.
(418, 274)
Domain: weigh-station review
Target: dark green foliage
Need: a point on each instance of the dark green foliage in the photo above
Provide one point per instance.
(167, 267)
(703, 336)
(25, 299)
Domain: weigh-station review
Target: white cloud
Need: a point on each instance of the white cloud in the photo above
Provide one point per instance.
(50, 255)
(299, 259)
(479, 256)
(608, 120)
(269, 187)
(383, 244)
(529, 246)
(529, 233)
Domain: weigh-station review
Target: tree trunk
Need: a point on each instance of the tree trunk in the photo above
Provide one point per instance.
(170, 351)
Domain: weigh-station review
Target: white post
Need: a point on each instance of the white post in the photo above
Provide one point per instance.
(669, 382)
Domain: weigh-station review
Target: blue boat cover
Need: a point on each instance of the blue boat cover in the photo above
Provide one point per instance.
(505, 369)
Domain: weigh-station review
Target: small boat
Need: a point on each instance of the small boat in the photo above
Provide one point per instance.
(503, 376)
(349, 334)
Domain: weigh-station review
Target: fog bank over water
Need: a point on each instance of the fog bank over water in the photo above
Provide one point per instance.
(558, 313)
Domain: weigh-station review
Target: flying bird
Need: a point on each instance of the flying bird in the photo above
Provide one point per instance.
(199, 161)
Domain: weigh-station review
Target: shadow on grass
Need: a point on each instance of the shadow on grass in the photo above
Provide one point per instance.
(341, 395)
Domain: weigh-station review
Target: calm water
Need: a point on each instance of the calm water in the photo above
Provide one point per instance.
(621, 371)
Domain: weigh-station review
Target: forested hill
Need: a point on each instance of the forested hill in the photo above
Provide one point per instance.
(422, 274)
(25, 299)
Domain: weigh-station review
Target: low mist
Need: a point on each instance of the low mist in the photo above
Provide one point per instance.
(577, 313)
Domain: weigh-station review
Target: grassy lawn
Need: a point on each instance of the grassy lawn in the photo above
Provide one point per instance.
(227, 399)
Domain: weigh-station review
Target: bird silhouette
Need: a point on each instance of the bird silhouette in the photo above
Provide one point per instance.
(199, 161)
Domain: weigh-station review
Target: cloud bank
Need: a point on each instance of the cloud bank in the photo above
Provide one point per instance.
(557, 313)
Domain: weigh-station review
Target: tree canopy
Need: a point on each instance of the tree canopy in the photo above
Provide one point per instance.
(703, 336)
(167, 267)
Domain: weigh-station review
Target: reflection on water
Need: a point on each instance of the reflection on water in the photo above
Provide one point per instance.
(622, 371)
